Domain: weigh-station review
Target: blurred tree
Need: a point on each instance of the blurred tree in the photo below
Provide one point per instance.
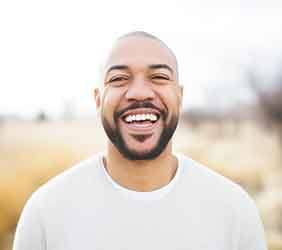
(41, 116)
(269, 97)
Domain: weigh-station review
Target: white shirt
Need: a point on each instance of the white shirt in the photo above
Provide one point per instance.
(84, 208)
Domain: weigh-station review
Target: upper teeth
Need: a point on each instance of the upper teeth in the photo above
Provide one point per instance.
(141, 117)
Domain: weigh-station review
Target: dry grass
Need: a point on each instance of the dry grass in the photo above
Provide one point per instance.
(31, 153)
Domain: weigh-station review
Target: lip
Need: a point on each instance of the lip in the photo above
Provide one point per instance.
(141, 128)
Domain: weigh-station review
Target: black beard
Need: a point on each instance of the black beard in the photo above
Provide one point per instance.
(116, 138)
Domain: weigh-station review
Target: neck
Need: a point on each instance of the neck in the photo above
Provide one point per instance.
(143, 176)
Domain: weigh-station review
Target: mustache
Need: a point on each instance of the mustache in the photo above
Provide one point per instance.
(141, 104)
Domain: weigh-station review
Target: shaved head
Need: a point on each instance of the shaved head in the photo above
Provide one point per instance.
(142, 34)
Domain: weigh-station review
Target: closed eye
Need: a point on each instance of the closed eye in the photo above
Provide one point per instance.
(118, 78)
(160, 77)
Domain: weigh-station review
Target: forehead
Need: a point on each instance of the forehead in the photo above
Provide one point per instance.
(140, 52)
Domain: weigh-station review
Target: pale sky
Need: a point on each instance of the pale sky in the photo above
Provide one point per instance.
(51, 51)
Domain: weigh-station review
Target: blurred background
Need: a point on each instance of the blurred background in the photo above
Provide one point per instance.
(230, 63)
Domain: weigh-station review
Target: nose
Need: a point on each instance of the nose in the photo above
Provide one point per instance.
(139, 90)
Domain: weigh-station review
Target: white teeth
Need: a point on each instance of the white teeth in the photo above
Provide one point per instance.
(128, 119)
(141, 117)
(153, 117)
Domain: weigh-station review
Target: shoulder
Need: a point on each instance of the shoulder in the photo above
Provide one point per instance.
(67, 185)
(207, 182)
(224, 199)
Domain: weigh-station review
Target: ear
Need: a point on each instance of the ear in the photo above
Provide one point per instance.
(97, 97)
(180, 91)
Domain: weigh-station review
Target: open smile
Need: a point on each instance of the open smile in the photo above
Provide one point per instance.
(141, 121)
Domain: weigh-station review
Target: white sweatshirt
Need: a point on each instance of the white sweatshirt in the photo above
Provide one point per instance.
(83, 208)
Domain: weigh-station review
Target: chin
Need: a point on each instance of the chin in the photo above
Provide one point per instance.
(141, 154)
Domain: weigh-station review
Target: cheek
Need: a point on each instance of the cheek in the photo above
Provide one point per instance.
(170, 99)
(110, 102)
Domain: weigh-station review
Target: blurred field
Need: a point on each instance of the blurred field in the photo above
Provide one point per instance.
(33, 152)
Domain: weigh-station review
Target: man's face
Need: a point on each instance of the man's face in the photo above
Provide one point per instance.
(141, 97)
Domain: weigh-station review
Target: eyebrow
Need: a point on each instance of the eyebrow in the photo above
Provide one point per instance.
(161, 66)
(151, 66)
(117, 67)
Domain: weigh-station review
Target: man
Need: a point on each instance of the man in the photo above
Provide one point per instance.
(138, 194)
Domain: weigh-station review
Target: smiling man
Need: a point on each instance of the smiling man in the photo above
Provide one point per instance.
(138, 194)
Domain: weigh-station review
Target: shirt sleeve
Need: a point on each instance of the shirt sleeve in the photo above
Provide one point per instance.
(29, 233)
(251, 232)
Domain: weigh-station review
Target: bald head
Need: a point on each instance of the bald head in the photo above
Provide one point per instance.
(140, 45)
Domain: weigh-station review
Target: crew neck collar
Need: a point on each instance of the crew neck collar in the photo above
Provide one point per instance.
(138, 195)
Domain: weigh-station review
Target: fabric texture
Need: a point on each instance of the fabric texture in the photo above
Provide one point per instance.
(84, 208)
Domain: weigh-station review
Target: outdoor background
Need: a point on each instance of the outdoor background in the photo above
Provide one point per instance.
(230, 63)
